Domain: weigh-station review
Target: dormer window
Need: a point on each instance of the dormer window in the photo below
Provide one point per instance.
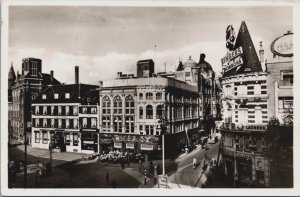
(56, 96)
(44, 96)
(67, 95)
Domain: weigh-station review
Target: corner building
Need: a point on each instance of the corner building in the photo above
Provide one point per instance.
(244, 144)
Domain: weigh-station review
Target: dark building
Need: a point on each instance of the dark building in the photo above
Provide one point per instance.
(145, 68)
(66, 115)
(26, 87)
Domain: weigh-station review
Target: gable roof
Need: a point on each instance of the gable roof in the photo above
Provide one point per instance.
(251, 62)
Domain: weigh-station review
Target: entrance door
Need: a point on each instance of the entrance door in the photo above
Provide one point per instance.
(260, 177)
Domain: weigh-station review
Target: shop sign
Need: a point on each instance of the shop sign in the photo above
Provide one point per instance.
(162, 181)
(146, 146)
(88, 142)
(118, 144)
(130, 145)
(232, 55)
(283, 46)
(130, 138)
(233, 63)
(149, 139)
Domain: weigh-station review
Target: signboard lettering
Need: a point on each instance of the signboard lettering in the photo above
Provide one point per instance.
(238, 61)
(283, 46)
(118, 145)
(130, 145)
(146, 146)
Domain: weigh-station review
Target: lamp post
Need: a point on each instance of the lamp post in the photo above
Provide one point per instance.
(162, 121)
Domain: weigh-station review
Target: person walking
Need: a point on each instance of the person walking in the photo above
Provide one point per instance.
(114, 183)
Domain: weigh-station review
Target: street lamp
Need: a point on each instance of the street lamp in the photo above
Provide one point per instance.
(162, 120)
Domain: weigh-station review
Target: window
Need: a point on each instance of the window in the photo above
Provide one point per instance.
(129, 105)
(75, 110)
(84, 110)
(45, 122)
(118, 124)
(93, 110)
(44, 110)
(251, 112)
(93, 122)
(159, 112)
(118, 105)
(141, 96)
(55, 96)
(37, 122)
(106, 123)
(106, 106)
(44, 96)
(59, 110)
(141, 112)
(251, 121)
(149, 96)
(52, 110)
(129, 124)
(149, 112)
(67, 95)
(37, 137)
(52, 123)
(75, 139)
(84, 122)
(285, 102)
(67, 135)
(263, 87)
(34, 70)
(250, 87)
(37, 110)
(251, 116)
(149, 130)
(75, 122)
(141, 129)
(67, 123)
(263, 92)
(264, 112)
(187, 74)
(235, 88)
(159, 96)
(251, 93)
(287, 77)
(59, 123)
(67, 110)
(236, 116)
(265, 117)
(45, 137)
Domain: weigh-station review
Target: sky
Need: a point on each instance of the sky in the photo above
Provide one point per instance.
(104, 40)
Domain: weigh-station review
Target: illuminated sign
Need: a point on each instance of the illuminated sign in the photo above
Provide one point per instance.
(147, 147)
(231, 55)
(118, 144)
(130, 145)
(283, 46)
(232, 60)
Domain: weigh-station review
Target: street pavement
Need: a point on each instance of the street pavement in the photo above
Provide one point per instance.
(186, 174)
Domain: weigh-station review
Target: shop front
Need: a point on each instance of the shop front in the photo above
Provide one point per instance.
(106, 143)
(89, 142)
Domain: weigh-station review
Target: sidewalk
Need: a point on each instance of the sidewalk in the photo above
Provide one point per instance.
(65, 156)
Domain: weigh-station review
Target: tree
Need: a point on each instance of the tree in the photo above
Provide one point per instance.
(288, 116)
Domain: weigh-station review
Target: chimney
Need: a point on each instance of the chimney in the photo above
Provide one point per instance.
(76, 74)
(51, 73)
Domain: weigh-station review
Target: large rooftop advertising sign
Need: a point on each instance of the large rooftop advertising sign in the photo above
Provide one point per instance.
(283, 45)
(233, 58)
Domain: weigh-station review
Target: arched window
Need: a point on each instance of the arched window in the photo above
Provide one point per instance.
(159, 96)
(149, 112)
(141, 112)
(118, 105)
(149, 96)
(129, 105)
(158, 112)
(141, 96)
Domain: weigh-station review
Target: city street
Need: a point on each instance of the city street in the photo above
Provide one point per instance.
(185, 174)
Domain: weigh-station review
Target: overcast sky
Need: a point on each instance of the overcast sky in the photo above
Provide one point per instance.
(105, 40)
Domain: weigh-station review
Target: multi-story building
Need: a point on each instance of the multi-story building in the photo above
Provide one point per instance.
(131, 108)
(66, 115)
(26, 87)
(11, 81)
(245, 105)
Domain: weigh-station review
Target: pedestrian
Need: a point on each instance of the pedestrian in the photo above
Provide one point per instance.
(140, 164)
(114, 183)
(151, 166)
(128, 160)
(158, 168)
(107, 178)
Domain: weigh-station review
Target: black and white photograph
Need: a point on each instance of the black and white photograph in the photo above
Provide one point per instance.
(186, 96)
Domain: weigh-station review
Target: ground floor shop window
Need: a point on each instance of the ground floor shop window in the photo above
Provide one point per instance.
(75, 139)
(37, 137)
(45, 137)
(89, 141)
(68, 139)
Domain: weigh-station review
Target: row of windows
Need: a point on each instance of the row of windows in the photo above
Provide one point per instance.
(63, 110)
(117, 124)
(65, 123)
(44, 137)
(149, 96)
